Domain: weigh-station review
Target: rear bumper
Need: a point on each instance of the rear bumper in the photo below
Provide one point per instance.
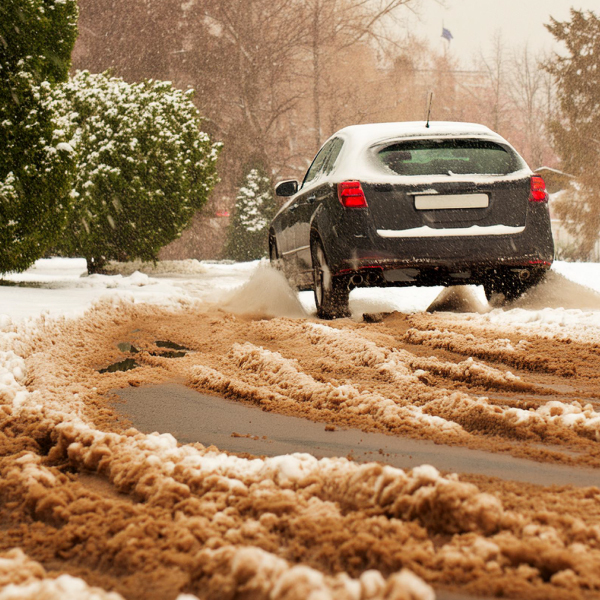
(443, 260)
(403, 274)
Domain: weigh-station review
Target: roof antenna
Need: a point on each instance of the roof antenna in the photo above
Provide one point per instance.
(429, 108)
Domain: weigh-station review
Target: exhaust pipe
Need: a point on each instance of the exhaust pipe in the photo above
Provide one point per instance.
(524, 274)
(355, 281)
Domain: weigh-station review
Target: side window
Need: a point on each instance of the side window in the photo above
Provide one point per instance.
(317, 164)
(336, 148)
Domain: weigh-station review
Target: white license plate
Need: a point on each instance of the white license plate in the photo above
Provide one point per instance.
(449, 201)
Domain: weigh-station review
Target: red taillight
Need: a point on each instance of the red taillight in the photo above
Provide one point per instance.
(351, 195)
(544, 263)
(538, 190)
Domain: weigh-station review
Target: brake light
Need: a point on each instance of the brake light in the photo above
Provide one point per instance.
(538, 190)
(351, 195)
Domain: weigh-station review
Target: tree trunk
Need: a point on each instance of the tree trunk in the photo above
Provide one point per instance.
(95, 264)
(316, 76)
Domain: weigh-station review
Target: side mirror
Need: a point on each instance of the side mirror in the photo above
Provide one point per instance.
(286, 188)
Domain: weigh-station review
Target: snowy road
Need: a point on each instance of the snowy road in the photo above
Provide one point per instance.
(84, 494)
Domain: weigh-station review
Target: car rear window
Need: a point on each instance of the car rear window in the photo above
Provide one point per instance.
(450, 156)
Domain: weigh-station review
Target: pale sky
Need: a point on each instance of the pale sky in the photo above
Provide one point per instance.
(473, 23)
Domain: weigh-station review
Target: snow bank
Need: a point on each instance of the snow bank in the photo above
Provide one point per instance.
(417, 404)
(267, 293)
(238, 567)
(584, 274)
(281, 380)
(551, 322)
(264, 576)
(398, 364)
(61, 286)
(583, 420)
(50, 269)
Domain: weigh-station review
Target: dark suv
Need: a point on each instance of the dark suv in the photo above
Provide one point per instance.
(399, 204)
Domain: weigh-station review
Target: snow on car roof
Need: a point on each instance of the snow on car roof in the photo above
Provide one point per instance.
(354, 162)
(374, 132)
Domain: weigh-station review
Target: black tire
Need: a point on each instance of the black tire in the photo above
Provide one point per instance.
(331, 292)
(502, 291)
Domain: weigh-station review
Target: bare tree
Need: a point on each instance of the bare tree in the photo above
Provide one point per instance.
(333, 27)
(495, 99)
(260, 40)
(531, 91)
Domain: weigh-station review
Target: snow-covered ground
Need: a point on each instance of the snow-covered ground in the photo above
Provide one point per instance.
(61, 286)
(587, 274)
(45, 397)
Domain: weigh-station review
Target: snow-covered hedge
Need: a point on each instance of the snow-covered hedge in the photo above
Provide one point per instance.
(41, 31)
(36, 166)
(144, 167)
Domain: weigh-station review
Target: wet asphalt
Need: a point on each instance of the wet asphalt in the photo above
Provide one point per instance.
(194, 417)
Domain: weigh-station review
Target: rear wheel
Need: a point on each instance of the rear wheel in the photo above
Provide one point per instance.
(500, 291)
(331, 292)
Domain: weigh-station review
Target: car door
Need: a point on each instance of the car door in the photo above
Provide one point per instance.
(299, 213)
(285, 236)
(320, 191)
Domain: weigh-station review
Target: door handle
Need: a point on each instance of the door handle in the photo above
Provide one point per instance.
(312, 199)
(293, 207)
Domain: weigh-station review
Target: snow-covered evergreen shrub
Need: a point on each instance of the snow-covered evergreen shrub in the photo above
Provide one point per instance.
(144, 166)
(41, 31)
(36, 165)
(247, 237)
